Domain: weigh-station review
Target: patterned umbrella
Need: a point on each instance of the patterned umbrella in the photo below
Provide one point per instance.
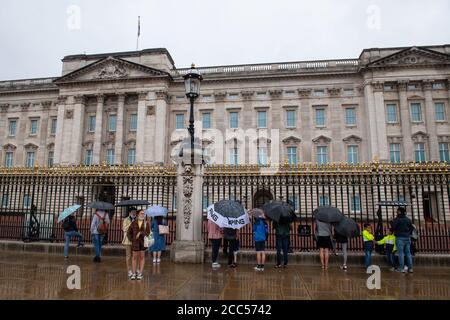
(228, 214)
(68, 211)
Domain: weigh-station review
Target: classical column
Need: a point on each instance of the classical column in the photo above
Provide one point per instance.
(98, 130)
(383, 153)
(373, 136)
(430, 122)
(160, 126)
(405, 121)
(77, 129)
(59, 138)
(141, 115)
(119, 129)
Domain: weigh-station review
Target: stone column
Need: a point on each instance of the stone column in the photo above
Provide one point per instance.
(373, 137)
(383, 149)
(405, 121)
(98, 130)
(141, 115)
(119, 130)
(77, 129)
(160, 126)
(433, 144)
(189, 246)
(59, 138)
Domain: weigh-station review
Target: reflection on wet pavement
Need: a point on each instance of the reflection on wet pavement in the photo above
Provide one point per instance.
(42, 276)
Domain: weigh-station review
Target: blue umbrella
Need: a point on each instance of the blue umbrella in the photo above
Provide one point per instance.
(68, 211)
(156, 211)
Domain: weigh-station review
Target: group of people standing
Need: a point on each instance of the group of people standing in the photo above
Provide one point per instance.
(135, 227)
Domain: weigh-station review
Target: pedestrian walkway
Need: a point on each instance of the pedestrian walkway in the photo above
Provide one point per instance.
(43, 276)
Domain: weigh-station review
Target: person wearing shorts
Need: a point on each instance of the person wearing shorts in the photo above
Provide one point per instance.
(260, 233)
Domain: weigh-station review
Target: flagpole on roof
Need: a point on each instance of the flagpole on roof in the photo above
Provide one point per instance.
(139, 33)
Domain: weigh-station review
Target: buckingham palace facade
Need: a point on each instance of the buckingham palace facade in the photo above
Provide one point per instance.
(390, 104)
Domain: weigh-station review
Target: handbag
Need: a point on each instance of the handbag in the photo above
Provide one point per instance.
(162, 229)
(149, 240)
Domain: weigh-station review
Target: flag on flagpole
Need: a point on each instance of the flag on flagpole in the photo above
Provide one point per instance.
(139, 26)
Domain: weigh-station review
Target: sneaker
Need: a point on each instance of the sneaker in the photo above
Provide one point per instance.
(261, 268)
(97, 259)
(410, 271)
(256, 268)
(66, 258)
(158, 260)
(233, 265)
(80, 245)
(130, 273)
(154, 260)
(216, 265)
(139, 276)
(392, 269)
(344, 267)
(284, 266)
(278, 266)
(133, 276)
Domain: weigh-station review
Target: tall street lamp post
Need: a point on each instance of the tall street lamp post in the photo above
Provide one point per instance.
(192, 86)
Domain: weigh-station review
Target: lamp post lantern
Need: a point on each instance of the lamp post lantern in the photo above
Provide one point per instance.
(192, 86)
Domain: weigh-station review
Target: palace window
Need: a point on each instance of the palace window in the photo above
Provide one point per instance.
(234, 120)
(91, 124)
(444, 152)
(416, 112)
(350, 116)
(322, 154)
(290, 118)
(394, 150)
(12, 128)
(355, 203)
(292, 155)
(234, 156)
(294, 200)
(352, 154)
(53, 126)
(438, 85)
(34, 126)
(110, 157)
(26, 201)
(419, 152)
(320, 118)
(88, 158)
(30, 159)
(9, 159)
(206, 120)
(391, 110)
(133, 122)
(262, 156)
(262, 119)
(324, 200)
(112, 123)
(439, 111)
(5, 200)
(50, 159)
(131, 157)
(179, 121)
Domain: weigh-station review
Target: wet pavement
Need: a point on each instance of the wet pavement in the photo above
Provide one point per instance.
(43, 276)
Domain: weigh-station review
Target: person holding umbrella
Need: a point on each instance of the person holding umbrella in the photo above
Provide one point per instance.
(126, 223)
(138, 230)
(215, 234)
(345, 229)
(231, 216)
(70, 231)
(159, 229)
(99, 228)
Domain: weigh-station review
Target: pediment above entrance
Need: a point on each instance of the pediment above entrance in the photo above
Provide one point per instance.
(111, 68)
(413, 56)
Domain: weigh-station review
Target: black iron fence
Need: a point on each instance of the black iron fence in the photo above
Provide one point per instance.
(355, 189)
(31, 199)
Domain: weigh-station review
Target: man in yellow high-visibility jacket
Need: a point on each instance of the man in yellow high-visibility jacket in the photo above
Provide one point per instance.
(368, 244)
(390, 246)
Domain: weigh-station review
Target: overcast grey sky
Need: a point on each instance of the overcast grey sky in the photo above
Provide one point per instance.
(36, 35)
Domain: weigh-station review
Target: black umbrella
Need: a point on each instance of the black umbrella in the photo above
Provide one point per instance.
(328, 214)
(279, 211)
(132, 203)
(348, 228)
(100, 205)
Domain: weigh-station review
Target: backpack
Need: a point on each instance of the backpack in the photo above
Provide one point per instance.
(102, 227)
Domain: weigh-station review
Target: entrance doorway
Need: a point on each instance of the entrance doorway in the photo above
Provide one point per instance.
(261, 197)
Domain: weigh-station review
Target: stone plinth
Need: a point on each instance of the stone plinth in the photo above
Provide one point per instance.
(186, 251)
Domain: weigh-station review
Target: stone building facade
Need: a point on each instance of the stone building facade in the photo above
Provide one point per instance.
(390, 104)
